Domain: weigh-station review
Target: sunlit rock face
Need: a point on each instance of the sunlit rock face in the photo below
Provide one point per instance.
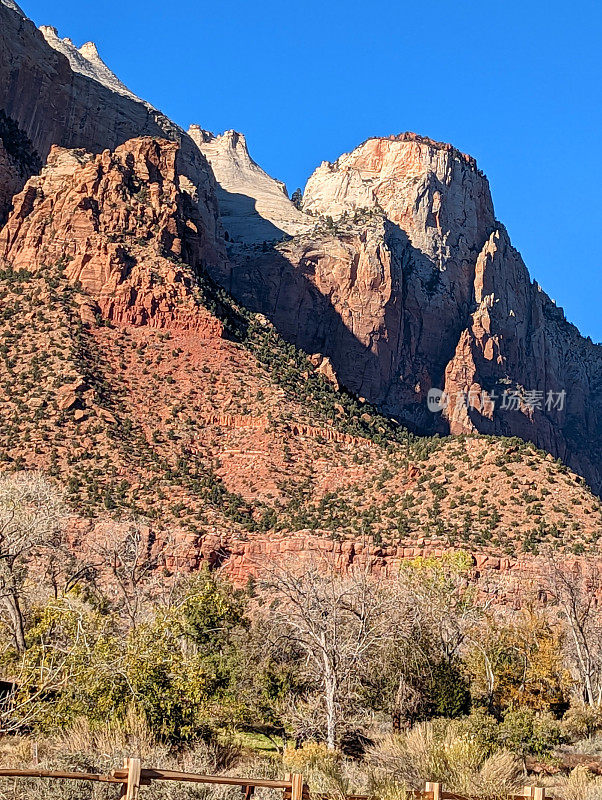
(254, 207)
(393, 269)
(86, 61)
(124, 231)
(56, 94)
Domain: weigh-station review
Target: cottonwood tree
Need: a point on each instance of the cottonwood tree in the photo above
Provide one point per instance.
(335, 620)
(127, 567)
(49, 666)
(519, 661)
(30, 514)
(576, 588)
(433, 615)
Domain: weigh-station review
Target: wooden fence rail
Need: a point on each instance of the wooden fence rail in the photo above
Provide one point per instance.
(132, 776)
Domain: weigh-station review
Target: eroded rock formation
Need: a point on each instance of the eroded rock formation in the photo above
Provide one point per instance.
(87, 61)
(254, 207)
(122, 229)
(395, 270)
(53, 103)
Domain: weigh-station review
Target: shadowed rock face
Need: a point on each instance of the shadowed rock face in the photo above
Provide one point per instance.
(18, 160)
(54, 105)
(395, 271)
(253, 206)
(416, 285)
(12, 5)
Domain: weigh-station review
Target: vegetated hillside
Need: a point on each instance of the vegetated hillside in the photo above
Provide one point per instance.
(127, 374)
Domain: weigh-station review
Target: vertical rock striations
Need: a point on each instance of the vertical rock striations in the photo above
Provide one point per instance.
(394, 274)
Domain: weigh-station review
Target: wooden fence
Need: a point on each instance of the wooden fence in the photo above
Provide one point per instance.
(293, 787)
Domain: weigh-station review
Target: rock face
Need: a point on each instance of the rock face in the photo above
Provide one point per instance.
(12, 5)
(123, 230)
(69, 98)
(509, 581)
(254, 207)
(18, 161)
(87, 61)
(414, 286)
(336, 293)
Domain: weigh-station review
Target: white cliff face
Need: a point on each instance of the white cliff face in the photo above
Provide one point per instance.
(254, 207)
(431, 191)
(87, 61)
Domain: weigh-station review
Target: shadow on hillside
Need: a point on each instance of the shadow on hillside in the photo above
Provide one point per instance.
(262, 278)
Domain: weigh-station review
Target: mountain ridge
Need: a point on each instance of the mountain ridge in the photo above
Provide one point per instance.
(181, 344)
(244, 438)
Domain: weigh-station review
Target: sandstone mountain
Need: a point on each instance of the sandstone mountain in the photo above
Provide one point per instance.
(87, 61)
(47, 101)
(407, 282)
(181, 344)
(253, 206)
(126, 373)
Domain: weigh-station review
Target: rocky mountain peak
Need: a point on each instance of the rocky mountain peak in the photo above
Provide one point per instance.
(433, 296)
(90, 51)
(428, 189)
(200, 134)
(86, 61)
(410, 136)
(147, 390)
(254, 207)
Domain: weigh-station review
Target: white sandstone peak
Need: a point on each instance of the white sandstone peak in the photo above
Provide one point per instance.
(87, 61)
(89, 51)
(254, 207)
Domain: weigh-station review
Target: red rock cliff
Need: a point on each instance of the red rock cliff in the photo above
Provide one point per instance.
(407, 282)
(123, 230)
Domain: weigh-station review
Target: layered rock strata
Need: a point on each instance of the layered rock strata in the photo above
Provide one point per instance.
(408, 283)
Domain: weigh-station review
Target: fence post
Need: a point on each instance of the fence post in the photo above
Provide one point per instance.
(130, 789)
(297, 786)
(534, 792)
(435, 788)
(286, 793)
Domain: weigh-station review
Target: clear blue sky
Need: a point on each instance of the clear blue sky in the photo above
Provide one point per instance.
(516, 83)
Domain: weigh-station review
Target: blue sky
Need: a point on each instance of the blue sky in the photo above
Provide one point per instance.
(516, 83)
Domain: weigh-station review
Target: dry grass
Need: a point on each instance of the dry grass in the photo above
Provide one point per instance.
(326, 771)
(579, 785)
(100, 749)
(447, 754)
